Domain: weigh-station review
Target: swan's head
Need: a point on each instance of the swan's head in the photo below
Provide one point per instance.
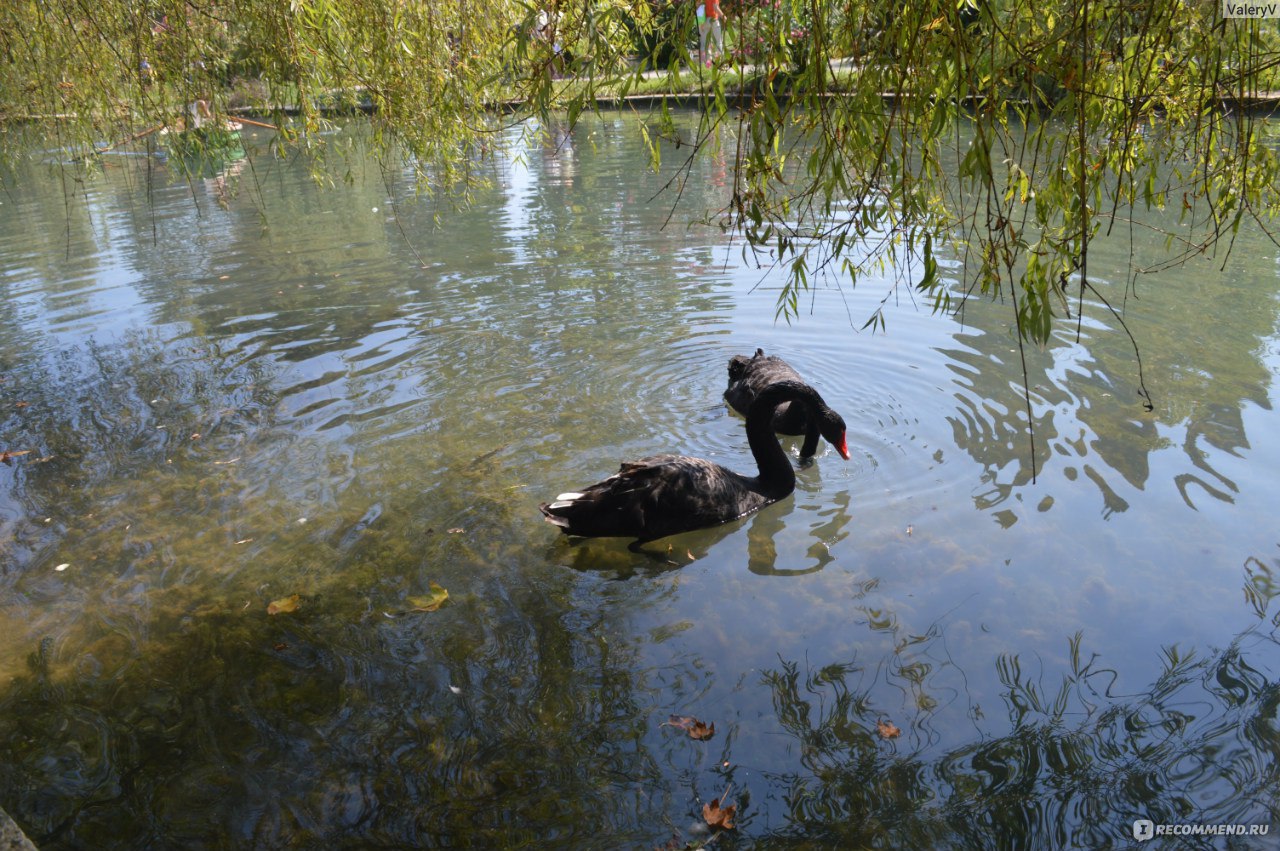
(831, 427)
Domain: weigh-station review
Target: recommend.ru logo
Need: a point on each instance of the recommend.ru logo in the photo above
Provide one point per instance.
(1144, 829)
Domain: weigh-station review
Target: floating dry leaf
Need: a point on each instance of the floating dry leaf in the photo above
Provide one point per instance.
(456, 530)
(717, 816)
(284, 605)
(887, 730)
(695, 728)
(701, 731)
(430, 603)
(8, 455)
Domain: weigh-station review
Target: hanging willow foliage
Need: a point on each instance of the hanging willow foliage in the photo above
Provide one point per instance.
(104, 70)
(1072, 114)
(869, 134)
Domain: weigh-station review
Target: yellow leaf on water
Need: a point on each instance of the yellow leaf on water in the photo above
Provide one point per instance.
(430, 603)
(284, 605)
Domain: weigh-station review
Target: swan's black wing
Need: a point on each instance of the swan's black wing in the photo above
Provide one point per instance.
(749, 376)
(741, 391)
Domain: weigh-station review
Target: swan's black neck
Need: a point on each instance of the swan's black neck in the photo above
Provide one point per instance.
(811, 436)
(776, 472)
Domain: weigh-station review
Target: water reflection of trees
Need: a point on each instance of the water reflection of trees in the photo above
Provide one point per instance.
(525, 716)
(162, 708)
(1203, 359)
(1081, 761)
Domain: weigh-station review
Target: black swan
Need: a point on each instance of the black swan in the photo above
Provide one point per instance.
(665, 494)
(748, 376)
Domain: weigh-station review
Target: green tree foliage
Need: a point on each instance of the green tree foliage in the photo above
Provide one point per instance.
(1013, 132)
(1009, 132)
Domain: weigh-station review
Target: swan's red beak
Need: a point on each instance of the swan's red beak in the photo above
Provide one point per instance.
(843, 448)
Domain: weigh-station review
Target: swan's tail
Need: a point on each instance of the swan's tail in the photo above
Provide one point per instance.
(559, 511)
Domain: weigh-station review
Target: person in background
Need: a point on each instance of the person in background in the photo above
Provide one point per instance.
(702, 32)
(710, 30)
(544, 29)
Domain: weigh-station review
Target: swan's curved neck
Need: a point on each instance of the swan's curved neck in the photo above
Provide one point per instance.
(776, 472)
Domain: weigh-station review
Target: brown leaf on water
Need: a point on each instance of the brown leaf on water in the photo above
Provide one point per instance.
(695, 728)
(284, 605)
(701, 731)
(887, 730)
(720, 817)
(429, 603)
(9, 454)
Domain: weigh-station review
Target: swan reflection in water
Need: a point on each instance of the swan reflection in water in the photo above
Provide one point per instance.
(802, 552)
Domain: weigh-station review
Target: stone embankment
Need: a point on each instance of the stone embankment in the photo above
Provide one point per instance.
(11, 836)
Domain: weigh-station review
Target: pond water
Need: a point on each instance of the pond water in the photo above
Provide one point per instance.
(232, 393)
